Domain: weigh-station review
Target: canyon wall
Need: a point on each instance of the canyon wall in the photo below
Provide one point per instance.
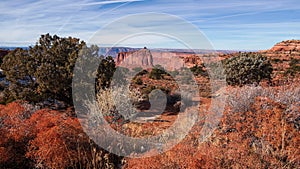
(146, 58)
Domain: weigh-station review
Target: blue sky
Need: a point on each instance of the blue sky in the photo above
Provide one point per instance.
(228, 24)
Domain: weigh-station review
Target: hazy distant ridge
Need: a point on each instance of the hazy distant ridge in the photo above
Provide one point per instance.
(113, 51)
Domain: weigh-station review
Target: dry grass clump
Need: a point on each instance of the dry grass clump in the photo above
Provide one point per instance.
(259, 129)
(118, 102)
(240, 99)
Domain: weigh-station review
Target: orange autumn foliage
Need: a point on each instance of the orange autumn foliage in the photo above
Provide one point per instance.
(46, 139)
(14, 136)
(267, 136)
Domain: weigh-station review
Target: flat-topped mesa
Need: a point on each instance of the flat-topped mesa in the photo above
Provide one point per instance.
(287, 46)
(170, 60)
(147, 59)
(141, 58)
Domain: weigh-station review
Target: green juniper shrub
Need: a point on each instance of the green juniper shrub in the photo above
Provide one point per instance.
(247, 68)
(294, 67)
(199, 70)
(138, 81)
(45, 70)
(157, 72)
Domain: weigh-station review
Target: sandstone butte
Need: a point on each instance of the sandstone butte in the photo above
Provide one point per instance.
(282, 53)
(280, 56)
(146, 58)
(142, 58)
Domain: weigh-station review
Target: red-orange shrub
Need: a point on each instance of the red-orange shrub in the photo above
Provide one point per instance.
(47, 139)
(14, 136)
(265, 136)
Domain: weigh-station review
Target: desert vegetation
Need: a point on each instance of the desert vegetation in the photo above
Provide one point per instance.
(247, 68)
(45, 71)
(294, 67)
(259, 128)
(33, 138)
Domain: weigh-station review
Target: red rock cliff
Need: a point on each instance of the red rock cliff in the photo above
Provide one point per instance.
(140, 58)
(287, 46)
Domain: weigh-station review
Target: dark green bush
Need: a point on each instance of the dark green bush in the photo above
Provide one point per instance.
(18, 68)
(247, 68)
(157, 73)
(105, 73)
(138, 81)
(294, 67)
(45, 71)
(147, 90)
(276, 60)
(142, 72)
(199, 70)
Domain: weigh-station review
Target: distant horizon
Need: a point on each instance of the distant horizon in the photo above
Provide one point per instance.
(141, 46)
(25, 47)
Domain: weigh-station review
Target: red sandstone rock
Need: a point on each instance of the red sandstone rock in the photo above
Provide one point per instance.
(140, 58)
(289, 45)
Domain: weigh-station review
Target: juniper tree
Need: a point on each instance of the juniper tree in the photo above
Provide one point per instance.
(247, 68)
(46, 70)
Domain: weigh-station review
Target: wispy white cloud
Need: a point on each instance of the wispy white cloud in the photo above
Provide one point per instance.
(107, 2)
(26, 20)
(236, 21)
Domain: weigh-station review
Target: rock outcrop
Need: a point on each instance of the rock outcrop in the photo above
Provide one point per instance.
(281, 56)
(141, 58)
(284, 50)
(170, 60)
(287, 46)
(146, 59)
